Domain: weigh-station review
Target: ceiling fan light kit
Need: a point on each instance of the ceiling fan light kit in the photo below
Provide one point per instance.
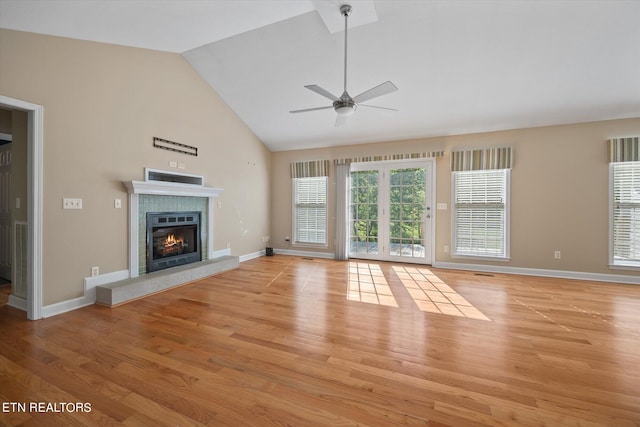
(344, 108)
(346, 105)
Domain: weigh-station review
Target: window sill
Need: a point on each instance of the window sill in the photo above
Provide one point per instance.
(309, 245)
(632, 267)
(481, 257)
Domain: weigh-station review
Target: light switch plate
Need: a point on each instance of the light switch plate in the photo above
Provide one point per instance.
(68, 203)
(441, 206)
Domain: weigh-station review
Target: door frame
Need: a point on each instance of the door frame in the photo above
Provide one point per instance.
(34, 209)
(430, 201)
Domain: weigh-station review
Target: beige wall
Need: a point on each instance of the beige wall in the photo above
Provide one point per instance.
(103, 104)
(559, 191)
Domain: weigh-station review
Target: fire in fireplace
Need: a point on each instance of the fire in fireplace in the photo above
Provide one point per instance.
(173, 238)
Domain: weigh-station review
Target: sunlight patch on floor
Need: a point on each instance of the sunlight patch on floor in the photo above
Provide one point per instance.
(432, 295)
(368, 284)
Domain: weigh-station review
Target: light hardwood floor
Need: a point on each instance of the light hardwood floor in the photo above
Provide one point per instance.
(5, 291)
(294, 341)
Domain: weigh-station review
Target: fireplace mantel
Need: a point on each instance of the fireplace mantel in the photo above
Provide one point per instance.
(162, 188)
(171, 189)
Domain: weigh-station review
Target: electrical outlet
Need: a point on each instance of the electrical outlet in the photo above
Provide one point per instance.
(95, 271)
(557, 255)
(446, 249)
(173, 164)
(117, 203)
(68, 203)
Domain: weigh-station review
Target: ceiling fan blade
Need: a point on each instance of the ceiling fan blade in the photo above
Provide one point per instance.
(320, 91)
(375, 106)
(381, 89)
(312, 109)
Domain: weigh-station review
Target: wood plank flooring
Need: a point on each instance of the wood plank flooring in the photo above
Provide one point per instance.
(307, 342)
(5, 291)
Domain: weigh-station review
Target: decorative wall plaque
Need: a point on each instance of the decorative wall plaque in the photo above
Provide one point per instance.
(175, 146)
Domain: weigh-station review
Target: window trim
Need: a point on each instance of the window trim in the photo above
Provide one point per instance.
(619, 265)
(507, 221)
(294, 231)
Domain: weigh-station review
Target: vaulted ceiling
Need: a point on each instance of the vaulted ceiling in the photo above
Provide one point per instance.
(460, 66)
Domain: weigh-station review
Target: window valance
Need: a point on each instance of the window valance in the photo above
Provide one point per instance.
(386, 157)
(482, 159)
(623, 149)
(310, 169)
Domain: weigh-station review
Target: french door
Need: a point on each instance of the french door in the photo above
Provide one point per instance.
(390, 211)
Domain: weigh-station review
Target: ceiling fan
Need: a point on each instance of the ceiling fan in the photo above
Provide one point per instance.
(345, 105)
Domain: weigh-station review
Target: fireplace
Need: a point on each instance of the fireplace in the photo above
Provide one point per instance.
(164, 191)
(173, 239)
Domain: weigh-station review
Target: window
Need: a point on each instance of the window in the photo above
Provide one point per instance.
(310, 210)
(625, 214)
(480, 213)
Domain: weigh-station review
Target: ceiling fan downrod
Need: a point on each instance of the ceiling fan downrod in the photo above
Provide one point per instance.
(345, 106)
(345, 10)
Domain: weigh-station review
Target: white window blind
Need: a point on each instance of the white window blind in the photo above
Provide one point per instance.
(626, 213)
(310, 206)
(480, 213)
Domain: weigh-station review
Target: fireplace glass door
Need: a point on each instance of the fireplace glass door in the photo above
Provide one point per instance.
(173, 241)
(173, 238)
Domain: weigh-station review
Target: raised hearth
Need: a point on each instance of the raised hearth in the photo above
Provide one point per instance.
(130, 289)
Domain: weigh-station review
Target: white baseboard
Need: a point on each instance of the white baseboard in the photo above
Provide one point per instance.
(17, 302)
(89, 297)
(221, 253)
(68, 305)
(253, 255)
(328, 255)
(561, 274)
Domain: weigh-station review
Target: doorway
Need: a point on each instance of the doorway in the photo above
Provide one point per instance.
(390, 211)
(33, 253)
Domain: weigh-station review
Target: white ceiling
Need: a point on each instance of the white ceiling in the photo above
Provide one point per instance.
(460, 66)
